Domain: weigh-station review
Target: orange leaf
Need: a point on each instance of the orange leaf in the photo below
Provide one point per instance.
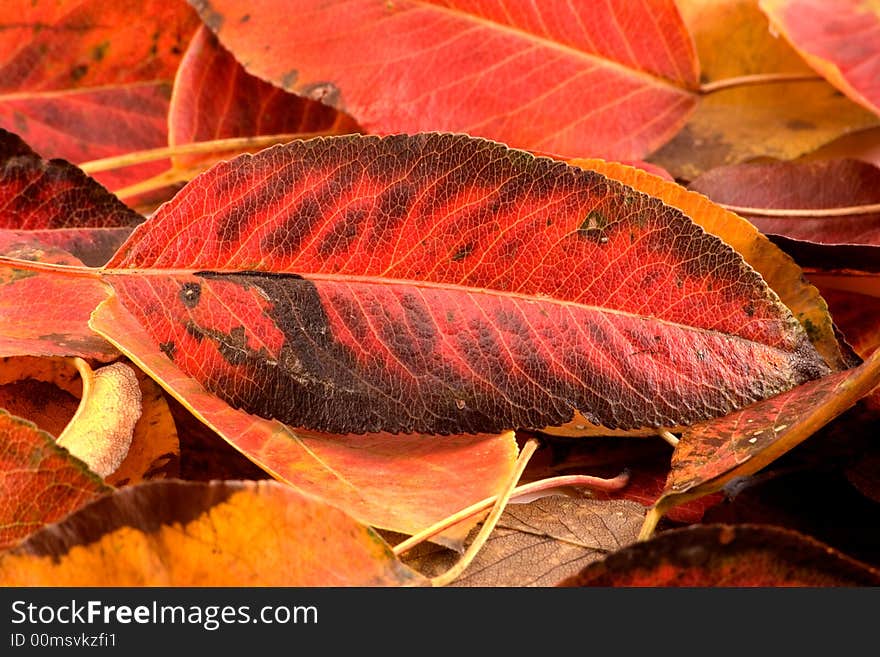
(824, 33)
(195, 534)
(774, 119)
(100, 90)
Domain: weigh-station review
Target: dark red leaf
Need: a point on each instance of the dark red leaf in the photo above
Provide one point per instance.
(727, 555)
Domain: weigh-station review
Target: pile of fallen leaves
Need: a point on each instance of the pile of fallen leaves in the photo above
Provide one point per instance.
(330, 293)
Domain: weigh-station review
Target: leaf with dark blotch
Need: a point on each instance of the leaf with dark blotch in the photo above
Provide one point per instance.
(612, 79)
(215, 98)
(444, 284)
(542, 542)
(45, 391)
(40, 482)
(193, 534)
(102, 89)
(819, 185)
(727, 555)
(710, 454)
(840, 40)
(402, 483)
(57, 308)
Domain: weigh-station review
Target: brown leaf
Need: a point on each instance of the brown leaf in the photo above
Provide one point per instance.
(802, 186)
(542, 542)
(45, 391)
(727, 555)
(192, 534)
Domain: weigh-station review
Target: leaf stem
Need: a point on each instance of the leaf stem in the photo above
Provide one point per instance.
(666, 435)
(210, 146)
(79, 271)
(583, 481)
(759, 78)
(805, 212)
(482, 536)
(650, 523)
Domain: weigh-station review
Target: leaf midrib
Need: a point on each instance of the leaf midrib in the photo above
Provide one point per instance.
(434, 285)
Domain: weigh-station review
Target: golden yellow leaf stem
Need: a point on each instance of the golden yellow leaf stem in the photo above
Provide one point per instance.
(650, 523)
(848, 211)
(194, 148)
(482, 536)
(579, 481)
(164, 179)
(759, 78)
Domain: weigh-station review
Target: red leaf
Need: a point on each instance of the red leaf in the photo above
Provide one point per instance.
(101, 90)
(40, 482)
(840, 40)
(443, 284)
(727, 555)
(56, 308)
(215, 98)
(612, 79)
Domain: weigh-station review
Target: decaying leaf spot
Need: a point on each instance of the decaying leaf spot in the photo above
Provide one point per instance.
(100, 433)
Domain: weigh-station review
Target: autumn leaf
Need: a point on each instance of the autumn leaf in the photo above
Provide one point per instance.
(40, 482)
(760, 98)
(782, 274)
(759, 190)
(326, 313)
(823, 34)
(101, 90)
(727, 555)
(542, 542)
(45, 391)
(402, 483)
(57, 308)
(613, 79)
(215, 98)
(711, 454)
(195, 534)
(51, 202)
